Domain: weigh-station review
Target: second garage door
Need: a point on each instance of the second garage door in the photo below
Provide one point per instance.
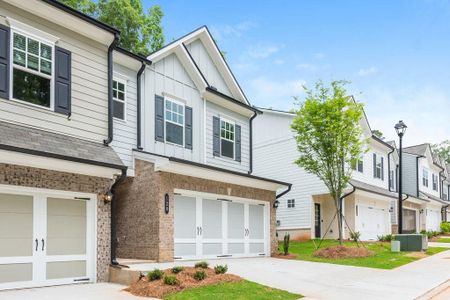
(210, 227)
(371, 222)
(433, 219)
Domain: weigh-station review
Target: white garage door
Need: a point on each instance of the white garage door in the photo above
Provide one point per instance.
(433, 219)
(44, 239)
(208, 227)
(371, 222)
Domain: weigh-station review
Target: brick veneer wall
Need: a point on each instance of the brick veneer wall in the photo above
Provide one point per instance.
(144, 230)
(48, 179)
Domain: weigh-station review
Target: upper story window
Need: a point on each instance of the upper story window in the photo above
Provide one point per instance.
(358, 165)
(425, 177)
(119, 99)
(32, 70)
(392, 179)
(378, 166)
(227, 138)
(435, 182)
(291, 203)
(174, 116)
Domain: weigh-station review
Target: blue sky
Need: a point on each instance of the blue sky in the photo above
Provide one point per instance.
(395, 53)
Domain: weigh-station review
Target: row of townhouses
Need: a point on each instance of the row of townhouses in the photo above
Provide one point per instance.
(105, 154)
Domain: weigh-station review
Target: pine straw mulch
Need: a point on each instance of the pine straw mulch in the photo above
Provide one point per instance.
(158, 289)
(283, 256)
(343, 252)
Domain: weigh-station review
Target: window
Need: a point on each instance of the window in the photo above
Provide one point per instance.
(291, 203)
(435, 182)
(119, 100)
(32, 70)
(227, 139)
(392, 180)
(174, 122)
(378, 172)
(358, 165)
(425, 177)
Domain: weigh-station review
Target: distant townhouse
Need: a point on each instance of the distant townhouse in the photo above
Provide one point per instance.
(308, 210)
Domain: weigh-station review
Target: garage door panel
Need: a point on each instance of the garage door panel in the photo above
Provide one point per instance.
(371, 222)
(16, 272)
(236, 248)
(236, 220)
(212, 219)
(256, 247)
(185, 249)
(66, 269)
(185, 214)
(212, 248)
(256, 221)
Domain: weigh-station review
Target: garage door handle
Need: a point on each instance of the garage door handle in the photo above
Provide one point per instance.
(36, 241)
(43, 245)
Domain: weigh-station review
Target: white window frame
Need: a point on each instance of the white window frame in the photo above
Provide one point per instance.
(357, 161)
(434, 180)
(427, 178)
(378, 166)
(226, 120)
(124, 101)
(392, 180)
(178, 124)
(38, 37)
(290, 203)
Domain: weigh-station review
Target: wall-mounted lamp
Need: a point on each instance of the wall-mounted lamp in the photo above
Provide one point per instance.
(391, 209)
(421, 211)
(106, 197)
(276, 204)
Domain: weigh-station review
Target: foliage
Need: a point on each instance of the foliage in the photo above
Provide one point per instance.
(202, 264)
(329, 137)
(221, 269)
(286, 241)
(355, 235)
(378, 133)
(442, 150)
(199, 275)
(140, 32)
(386, 238)
(445, 227)
(170, 280)
(430, 233)
(156, 274)
(177, 269)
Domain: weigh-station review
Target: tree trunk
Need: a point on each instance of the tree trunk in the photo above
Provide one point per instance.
(338, 202)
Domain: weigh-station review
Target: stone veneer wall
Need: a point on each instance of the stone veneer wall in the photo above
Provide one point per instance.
(144, 231)
(48, 179)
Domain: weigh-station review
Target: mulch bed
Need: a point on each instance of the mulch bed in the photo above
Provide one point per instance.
(158, 289)
(282, 256)
(343, 252)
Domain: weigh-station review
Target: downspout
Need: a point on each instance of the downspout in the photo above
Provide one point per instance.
(118, 181)
(341, 200)
(250, 171)
(110, 93)
(389, 169)
(417, 173)
(441, 183)
(284, 192)
(139, 105)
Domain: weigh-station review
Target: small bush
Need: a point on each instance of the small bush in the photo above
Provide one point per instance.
(430, 233)
(385, 238)
(199, 275)
(177, 269)
(221, 269)
(156, 274)
(170, 280)
(445, 227)
(286, 241)
(355, 235)
(202, 264)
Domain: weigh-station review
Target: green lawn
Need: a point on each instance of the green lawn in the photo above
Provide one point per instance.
(383, 258)
(241, 290)
(443, 240)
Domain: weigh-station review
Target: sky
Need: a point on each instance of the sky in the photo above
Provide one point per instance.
(396, 54)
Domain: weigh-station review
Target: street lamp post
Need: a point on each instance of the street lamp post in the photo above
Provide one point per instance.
(400, 128)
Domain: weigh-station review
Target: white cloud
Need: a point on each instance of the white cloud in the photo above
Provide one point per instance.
(275, 93)
(307, 67)
(221, 32)
(367, 71)
(319, 55)
(262, 51)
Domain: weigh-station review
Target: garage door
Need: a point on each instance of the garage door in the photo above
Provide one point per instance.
(433, 219)
(208, 227)
(44, 240)
(371, 222)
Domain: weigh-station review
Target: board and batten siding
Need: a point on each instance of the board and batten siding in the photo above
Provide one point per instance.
(207, 66)
(213, 110)
(409, 174)
(168, 78)
(89, 119)
(125, 130)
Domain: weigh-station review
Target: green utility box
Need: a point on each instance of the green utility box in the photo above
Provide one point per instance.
(412, 242)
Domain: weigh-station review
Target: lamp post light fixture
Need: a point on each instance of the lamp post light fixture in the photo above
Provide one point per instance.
(400, 128)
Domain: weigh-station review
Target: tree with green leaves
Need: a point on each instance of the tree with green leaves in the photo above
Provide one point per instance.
(329, 138)
(443, 150)
(378, 133)
(140, 32)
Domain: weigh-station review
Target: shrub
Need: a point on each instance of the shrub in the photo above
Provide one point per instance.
(199, 275)
(221, 269)
(445, 227)
(385, 238)
(355, 235)
(286, 241)
(156, 274)
(430, 233)
(170, 280)
(177, 269)
(202, 264)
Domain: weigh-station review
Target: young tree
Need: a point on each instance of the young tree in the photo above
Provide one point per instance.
(443, 150)
(141, 32)
(329, 138)
(378, 134)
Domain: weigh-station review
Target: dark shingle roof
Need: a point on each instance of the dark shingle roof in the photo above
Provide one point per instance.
(372, 188)
(38, 142)
(418, 149)
(427, 196)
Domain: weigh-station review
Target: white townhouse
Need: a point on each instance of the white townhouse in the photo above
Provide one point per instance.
(308, 210)
(190, 191)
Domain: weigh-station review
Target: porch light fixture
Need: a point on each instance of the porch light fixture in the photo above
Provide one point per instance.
(276, 204)
(400, 128)
(105, 197)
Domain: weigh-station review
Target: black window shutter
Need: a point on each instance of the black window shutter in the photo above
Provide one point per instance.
(4, 61)
(63, 74)
(188, 127)
(159, 118)
(216, 136)
(374, 165)
(382, 168)
(237, 142)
